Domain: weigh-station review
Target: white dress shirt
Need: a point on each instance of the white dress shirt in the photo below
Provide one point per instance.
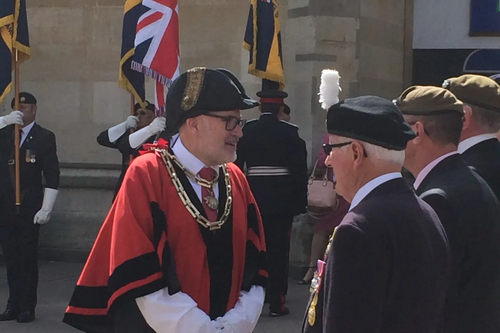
(467, 143)
(25, 131)
(428, 168)
(179, 313)
(371, 185)
(192, 163)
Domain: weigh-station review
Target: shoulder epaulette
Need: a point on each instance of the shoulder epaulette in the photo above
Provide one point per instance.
(293, 125)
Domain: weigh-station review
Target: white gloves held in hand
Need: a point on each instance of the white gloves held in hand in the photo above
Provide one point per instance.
(15, 117)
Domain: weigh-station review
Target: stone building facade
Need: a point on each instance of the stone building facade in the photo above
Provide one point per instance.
(73, 71)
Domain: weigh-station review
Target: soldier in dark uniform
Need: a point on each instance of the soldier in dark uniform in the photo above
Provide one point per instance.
(119, 137)
(479, 144)
(275, 158)
(387, 263)
(19, 230)
(465, 204)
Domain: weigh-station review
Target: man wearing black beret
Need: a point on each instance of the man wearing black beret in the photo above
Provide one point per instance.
(276, 159)
(182, 249)
(479, 144)
(39, 178)
(465, 204)
(118, 136)
(388, 261)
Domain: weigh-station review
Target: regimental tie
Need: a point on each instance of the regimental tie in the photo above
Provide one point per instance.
(209, 201)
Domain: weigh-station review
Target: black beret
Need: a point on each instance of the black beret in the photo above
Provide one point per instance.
(476, 90)
(370, 119)
(201, 90)
(149, 106)
(25, 98)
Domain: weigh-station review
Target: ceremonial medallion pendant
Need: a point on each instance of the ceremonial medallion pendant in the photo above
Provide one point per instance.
(211, 202)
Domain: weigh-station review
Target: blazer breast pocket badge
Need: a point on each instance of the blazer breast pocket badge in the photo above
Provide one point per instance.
(30, 156)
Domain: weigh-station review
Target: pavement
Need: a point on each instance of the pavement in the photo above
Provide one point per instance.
(56, 283)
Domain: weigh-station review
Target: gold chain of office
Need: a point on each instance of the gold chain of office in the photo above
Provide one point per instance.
(195, 213)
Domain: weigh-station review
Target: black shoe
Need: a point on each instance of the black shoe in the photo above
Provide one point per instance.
(26, 317)
(282, 312)
(8, 315)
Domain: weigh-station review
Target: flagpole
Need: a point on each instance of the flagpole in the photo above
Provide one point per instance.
(132, 113)
(16, 131)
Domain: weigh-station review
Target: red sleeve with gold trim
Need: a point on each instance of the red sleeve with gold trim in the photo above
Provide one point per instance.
(127, 257)
(255, 272)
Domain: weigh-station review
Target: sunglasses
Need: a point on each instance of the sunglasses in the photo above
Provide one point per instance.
(231, 121)
(327, 148)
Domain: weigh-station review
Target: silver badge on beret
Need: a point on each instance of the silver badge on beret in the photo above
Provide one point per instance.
(22, 99)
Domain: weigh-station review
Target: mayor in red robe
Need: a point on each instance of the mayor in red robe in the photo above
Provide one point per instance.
(179, 252)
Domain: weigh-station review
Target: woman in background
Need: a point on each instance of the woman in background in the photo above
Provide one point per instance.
(324, 223)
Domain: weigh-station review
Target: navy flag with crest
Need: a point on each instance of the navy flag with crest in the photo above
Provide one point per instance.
(129, 79)
(13, 35)
(263, 40)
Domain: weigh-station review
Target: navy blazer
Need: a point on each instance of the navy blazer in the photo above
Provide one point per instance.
(470, 215)
(388, 267)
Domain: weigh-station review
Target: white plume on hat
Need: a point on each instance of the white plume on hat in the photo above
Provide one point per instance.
(329, 89)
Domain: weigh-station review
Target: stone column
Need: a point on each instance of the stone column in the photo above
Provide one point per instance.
(365, 40)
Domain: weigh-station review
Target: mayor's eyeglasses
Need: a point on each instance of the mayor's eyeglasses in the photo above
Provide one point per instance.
(231, 121)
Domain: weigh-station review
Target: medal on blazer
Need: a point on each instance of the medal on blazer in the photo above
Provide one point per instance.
(316, 284)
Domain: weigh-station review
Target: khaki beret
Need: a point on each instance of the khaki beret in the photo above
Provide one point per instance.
(477, 90)
(428, 101)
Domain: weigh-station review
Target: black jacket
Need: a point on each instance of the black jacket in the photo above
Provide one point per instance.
(388, 267)
(123, 145)
(470, 214)
(39, 168)
(271, 142)
(485, 159)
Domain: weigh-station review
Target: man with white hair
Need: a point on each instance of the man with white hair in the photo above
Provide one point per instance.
(465, 204)
(388, 262)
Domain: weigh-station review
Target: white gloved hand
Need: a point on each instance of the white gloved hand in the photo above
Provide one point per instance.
(138, 138)
(115, 132)
(157, 125)
(15, 117)
(49, 199)
(131, 122)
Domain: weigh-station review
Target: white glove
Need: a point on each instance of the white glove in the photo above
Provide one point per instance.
(15, 117)
(245, 314)
(137, 138)
(49, 198)
(131, 122)
(115, 132)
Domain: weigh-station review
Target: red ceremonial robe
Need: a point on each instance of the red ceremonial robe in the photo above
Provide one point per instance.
(150, 241)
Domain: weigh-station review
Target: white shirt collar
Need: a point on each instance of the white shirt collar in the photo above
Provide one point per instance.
(468, 143)
(371, 185)
(191, 162)
(26, 129)
(428, 168)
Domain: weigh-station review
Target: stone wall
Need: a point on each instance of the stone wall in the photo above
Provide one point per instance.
(73, 72)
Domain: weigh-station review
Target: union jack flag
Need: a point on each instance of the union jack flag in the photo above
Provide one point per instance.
(157, 52)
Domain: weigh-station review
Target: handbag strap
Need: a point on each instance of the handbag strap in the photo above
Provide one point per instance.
(311, 178)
